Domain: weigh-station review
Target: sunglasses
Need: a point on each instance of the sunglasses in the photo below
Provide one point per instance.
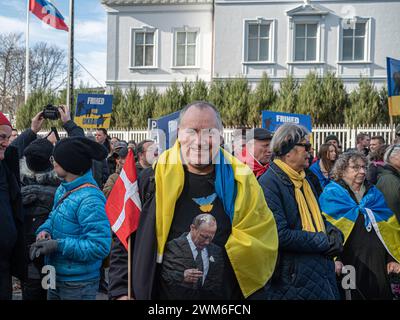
(307, 145)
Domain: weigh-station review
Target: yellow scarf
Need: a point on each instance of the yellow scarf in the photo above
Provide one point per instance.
(306, 201)
(252, 246)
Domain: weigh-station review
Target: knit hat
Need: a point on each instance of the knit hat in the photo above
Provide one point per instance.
(4, 121)
(75, 154)
(331, 137)
(37, 155)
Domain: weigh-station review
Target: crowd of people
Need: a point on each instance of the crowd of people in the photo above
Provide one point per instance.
(263, 219)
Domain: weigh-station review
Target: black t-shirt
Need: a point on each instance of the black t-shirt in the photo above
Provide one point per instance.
(199, 196)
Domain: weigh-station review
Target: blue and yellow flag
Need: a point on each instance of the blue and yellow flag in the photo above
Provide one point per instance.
(342, 211)
(393, 75)
(252, 246)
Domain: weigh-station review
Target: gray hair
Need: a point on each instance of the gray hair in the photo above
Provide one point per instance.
(202, 105)
(391, 151)
(286, 137)
(202, 219)
(342, 163)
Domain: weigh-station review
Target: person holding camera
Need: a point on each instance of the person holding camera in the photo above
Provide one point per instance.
(31, 134)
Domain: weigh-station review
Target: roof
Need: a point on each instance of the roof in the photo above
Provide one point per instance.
(150, 2)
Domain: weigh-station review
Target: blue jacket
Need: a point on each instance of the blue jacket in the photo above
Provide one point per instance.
(303, 271)
(82, 229)
(316, 169)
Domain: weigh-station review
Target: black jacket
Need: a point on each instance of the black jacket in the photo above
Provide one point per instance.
(11, 163)
(37, 191)
(305, 269)
(144, 245)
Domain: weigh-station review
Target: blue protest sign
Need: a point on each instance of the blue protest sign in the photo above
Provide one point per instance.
(272, 120)
(93, 110)
(164, 130)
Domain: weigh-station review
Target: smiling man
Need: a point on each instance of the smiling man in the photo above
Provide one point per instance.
(197, 177)
(12, 262)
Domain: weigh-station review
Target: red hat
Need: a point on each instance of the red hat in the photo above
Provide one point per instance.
(4, 120)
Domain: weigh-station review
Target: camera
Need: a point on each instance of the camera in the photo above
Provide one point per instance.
(51, 112)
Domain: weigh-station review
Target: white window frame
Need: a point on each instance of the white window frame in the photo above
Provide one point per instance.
(174, 47)
(367, 43)
(132, 48)
(271, 51)
(321, 38)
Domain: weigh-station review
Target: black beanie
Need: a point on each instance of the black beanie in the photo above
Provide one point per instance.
(37, 155)
(75, 154)
(331, 137)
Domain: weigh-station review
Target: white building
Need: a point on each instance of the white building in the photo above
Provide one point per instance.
(157, 42)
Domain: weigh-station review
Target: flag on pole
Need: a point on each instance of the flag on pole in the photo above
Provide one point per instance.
(123, 204)
(393, 78)
(48, 13)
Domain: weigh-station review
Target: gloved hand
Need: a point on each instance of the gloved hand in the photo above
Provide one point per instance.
(336, 240)
(42, 247)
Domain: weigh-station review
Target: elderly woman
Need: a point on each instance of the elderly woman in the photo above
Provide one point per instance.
(372, 233)
(307, 243)
(322, 168)
(389, 179)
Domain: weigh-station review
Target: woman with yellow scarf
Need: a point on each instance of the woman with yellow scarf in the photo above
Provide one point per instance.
(307, 242)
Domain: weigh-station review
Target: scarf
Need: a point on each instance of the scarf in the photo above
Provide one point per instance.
(252, 246)
(257, 168)
(310, 214)
(342, 211)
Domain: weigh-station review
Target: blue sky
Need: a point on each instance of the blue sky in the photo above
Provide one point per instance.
(90, 32)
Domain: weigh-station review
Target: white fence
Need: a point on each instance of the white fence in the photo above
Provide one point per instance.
(346, 135)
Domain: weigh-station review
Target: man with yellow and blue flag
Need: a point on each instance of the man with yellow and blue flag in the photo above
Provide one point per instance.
(194, 177)
(370, 228)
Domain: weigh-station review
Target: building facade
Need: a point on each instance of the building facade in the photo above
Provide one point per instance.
(157, 42)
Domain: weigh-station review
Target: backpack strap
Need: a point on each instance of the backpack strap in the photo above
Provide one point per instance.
(66, 195)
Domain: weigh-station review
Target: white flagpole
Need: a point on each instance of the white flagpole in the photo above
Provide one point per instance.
(27, 52)
(70, 83)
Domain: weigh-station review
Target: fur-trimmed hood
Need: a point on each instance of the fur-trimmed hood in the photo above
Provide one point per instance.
(28, 177)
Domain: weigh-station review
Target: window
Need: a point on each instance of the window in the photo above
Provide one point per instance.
(306, 36)
(258, 42)
(185, 48)
(354, 40)
(144, 48)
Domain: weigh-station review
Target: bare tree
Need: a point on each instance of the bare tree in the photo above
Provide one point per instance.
(48, 69)
(10, 54)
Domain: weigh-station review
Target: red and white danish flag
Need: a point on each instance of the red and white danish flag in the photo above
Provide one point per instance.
(123, 204)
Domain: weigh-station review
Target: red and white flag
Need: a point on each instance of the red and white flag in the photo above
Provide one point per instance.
(123, 204)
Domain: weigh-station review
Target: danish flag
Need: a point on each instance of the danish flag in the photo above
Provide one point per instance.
(123, 204)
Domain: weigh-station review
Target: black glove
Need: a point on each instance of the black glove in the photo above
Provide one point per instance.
(394, 279)
(336, 239)
(42, 247)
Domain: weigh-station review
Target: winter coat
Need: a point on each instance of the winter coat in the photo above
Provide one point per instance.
(38, 190)
(303, 270)
(389, 184)
(82, 229)
(17, 261)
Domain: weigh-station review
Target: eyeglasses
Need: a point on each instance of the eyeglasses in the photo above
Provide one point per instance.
(357, 168)
(307, 145)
